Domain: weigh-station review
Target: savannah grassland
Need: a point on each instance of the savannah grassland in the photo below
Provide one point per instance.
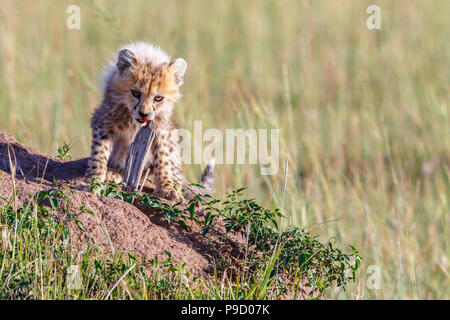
(363, 114)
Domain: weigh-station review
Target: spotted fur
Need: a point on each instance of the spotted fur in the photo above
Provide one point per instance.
(142, 85)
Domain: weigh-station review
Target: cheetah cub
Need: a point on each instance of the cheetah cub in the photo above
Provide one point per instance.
(142, 85)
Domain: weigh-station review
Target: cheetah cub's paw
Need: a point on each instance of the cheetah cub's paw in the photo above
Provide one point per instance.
(169, 194)
(113, 175)
(83, 186)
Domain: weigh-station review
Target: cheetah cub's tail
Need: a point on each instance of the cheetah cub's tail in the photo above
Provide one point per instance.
(207, 182)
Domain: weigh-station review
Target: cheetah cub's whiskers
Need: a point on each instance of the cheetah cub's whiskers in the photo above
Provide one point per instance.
(142, 85)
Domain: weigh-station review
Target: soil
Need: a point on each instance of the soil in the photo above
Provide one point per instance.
(132, 229)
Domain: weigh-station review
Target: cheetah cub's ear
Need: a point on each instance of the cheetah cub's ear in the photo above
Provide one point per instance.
(125, 59)
(178, 66)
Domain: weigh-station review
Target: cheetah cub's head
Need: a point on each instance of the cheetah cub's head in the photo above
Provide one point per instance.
(147, 81)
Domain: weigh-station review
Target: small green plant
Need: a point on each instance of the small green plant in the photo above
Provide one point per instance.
(63, 151)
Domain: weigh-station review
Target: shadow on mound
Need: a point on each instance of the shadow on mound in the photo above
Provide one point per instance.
(32, 164)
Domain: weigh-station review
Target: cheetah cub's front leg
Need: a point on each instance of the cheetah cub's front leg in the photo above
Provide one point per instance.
(101, 150)
(168, 168)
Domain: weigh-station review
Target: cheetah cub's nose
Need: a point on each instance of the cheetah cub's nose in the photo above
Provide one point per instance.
(143, 115)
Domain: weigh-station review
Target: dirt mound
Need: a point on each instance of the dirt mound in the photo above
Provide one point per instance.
(131, 229)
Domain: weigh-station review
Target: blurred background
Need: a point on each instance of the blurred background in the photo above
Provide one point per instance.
(363, 114)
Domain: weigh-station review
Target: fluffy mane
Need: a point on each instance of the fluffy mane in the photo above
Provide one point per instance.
(144, 51)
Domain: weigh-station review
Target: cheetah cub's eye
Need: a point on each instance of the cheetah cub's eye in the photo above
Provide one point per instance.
(159, 98)
(135, 93)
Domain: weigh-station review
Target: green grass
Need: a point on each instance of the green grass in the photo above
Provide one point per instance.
(360, 111)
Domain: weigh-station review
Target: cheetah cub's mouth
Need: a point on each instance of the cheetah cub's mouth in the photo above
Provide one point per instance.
(142, 120)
